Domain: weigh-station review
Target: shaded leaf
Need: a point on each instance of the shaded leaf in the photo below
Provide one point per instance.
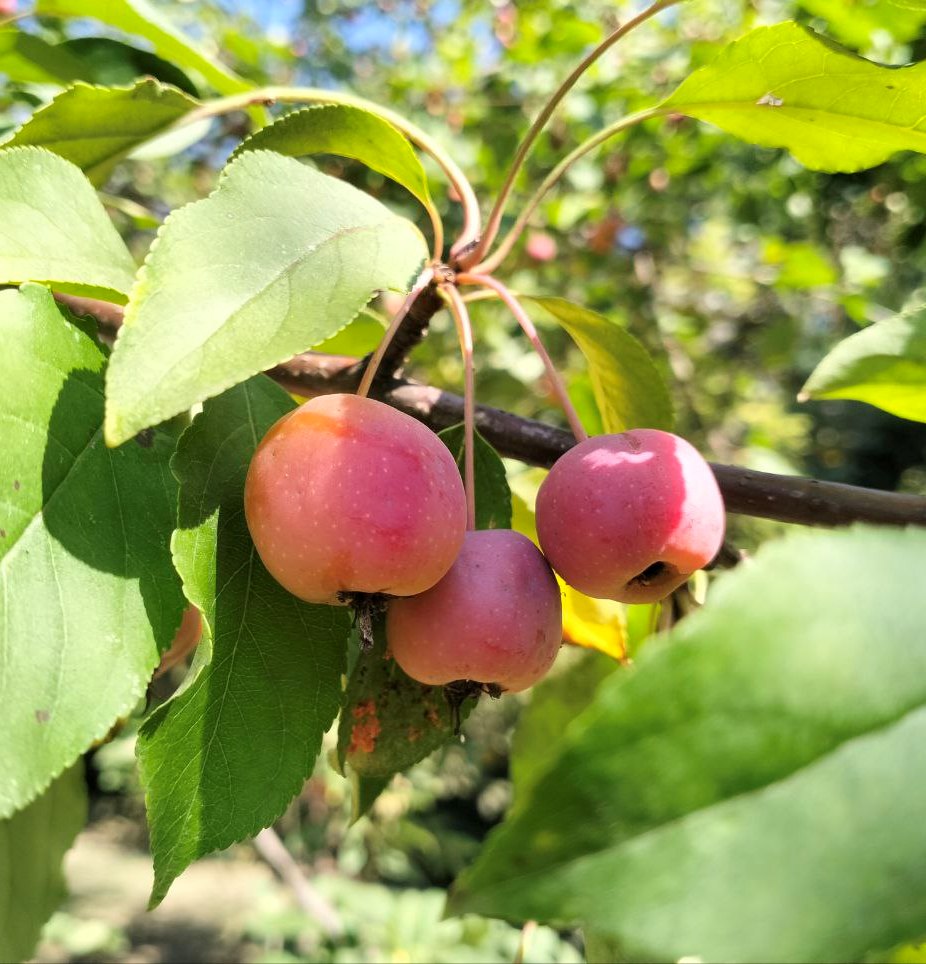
(278, 258)
(89, 595)
(786, 86)
(111, 63)
(225, 757)
(766, 760)
(28, 59)
(348, 132)
(140, 18)
(884, 365)
(72, 246)
(95, 127)
(628, 387)
(493, 497)
(554, 703)
(33, 843)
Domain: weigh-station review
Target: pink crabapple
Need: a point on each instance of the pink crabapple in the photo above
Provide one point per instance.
(348, 495)
(495, 618)
(630, 516)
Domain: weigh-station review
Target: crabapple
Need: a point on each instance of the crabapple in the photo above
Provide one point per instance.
(347, 495)
(541, 246)
(496, 617)
(631, 516)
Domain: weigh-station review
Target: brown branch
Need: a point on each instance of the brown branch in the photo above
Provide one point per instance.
(746, 492)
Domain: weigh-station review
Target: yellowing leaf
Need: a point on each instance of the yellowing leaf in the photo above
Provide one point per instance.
(594, 623)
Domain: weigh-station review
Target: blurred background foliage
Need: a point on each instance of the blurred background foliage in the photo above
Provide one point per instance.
(736, 267)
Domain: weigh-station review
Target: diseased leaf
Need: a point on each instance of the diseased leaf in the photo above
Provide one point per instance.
(390, 721)
(94, 127)
(277, 259)
(140, 18)
(224, 757)
(348, 132)
(884, 365)
(628, 387)
(33, 843)
(493, 496)
(72, 246)
(786, 86)
(766, 759)
(89, 595)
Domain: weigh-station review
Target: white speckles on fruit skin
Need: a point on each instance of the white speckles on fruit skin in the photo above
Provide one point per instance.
(348, 494)
(496, 617)
(614, 505)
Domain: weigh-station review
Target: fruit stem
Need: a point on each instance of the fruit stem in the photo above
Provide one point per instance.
(504, 247)
(495, 216)
(265, 96)
(517, 309)
(369, 373)
(465, 333)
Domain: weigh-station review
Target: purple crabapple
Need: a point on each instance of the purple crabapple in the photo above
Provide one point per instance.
(495, 618)
(630, 516)
(347, 495)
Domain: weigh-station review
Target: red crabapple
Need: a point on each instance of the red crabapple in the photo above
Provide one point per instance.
(496, 617)
(631, 516)
(541, 246)
(347, 495)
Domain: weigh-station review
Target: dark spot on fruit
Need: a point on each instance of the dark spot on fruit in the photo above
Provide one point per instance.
(16, 484)
(42, 716)
(650, 574)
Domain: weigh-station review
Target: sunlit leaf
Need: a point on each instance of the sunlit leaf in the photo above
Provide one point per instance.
(277, 259)
(628, 387)
(348, 132)
(884, 365)
(72, 246)
(89, 595)
(94, 127)
(786, 86)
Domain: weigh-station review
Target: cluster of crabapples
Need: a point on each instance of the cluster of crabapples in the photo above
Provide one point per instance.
(348, 498)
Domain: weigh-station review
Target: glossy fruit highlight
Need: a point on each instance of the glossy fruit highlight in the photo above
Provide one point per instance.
(348, 495)
(496, 617)
(630, 516)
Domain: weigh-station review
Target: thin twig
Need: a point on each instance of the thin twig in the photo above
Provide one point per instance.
(272, 850)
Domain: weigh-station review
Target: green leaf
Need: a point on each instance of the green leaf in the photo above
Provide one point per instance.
(111, 63)
(89, 595)
(884, 365)
(786, 86)
(95, 127)
(348, 132)
(628, 387)
(554, 703)
(277, 259)
(358, 338)
(390, 721)
(27, 59)
(763, 766)
(224, 758)
(32, 845)
(856, 23)
(493, 496)
(139, 18)
(54, 229)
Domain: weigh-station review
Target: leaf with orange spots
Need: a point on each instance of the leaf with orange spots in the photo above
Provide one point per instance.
(390, 721)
